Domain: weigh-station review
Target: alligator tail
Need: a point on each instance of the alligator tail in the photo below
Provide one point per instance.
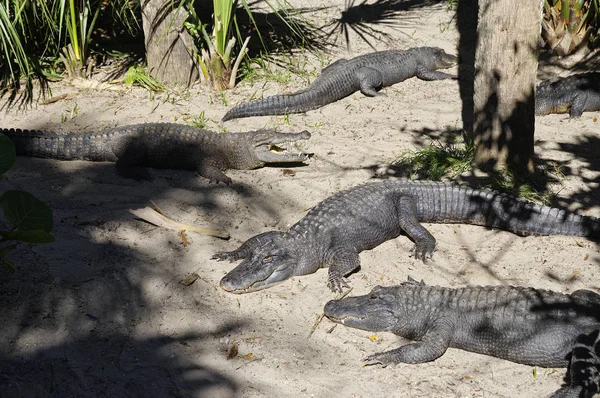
(326, 89)
(70, 146)
(448, 203)
(276, 105)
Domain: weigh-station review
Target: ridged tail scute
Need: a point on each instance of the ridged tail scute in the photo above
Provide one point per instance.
(275, 105)
(439, 202)
(69, 146)
(327, 88)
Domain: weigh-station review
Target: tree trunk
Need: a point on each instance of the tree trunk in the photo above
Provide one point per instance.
(168, 44)
(506, 68)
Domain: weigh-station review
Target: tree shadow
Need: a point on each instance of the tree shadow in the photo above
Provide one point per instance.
(550, 65)
(363, 19)
(113, 363)
(283, 31)
(77, 313)
(585, 150)
(510, 140)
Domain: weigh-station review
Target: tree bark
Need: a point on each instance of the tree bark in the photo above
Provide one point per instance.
(168, 44)
(505, 76)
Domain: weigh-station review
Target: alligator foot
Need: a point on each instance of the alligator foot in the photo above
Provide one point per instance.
(423, 251)
(382, 358)
(337, 283)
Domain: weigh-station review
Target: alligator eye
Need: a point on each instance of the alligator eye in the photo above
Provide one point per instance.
(372, 297)
(268, 258)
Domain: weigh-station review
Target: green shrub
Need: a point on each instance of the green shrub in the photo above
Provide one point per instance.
(29, 218)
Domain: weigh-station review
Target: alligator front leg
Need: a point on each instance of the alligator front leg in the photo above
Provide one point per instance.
(429, 75)
(370, 81)
(406, 210)
(248, 247)
(212, 171)
(342, 260)
(433, 345)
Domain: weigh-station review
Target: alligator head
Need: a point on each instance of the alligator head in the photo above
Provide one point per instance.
(436, 58)
(268, 265)
(375, 311)
(267, 146)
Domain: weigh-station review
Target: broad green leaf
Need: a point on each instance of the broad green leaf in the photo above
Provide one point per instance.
(29, 236)
(25, 212)
(7, 154)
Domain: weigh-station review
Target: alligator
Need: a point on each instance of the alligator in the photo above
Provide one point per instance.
(521, 324)
(368, 73)
(163, 145)
(335, 231)
(574, 95)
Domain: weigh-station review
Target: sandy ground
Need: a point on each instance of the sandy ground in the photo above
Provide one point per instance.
(101, 312)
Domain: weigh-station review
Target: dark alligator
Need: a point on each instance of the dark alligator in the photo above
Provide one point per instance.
(574, 95)
(520, 324)
(335, 231)
(163, 145)
(368, 73)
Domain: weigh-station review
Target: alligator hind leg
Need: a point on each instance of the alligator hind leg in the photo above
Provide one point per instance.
(432, 346)
(406, 211)
(370, 80)
(342, 260)
(248, 247)
(578, 105)
(583, 376)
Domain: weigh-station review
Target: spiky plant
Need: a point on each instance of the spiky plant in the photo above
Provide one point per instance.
(570, 25)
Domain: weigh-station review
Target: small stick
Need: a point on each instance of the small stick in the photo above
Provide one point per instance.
(321, 316)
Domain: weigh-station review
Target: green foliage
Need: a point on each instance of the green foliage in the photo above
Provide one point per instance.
(200, 121)
(138, 75)
(523, 186)
(25, 212)
(31, 220)
(216, 51)
(569, 25)
(216, 61)
(37, 35)
(448, 161)
(437, 161)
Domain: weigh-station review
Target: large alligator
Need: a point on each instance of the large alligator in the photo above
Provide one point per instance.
(163, 145)
(520, 324)
(368, 73)
(574, 95)
(335, 231)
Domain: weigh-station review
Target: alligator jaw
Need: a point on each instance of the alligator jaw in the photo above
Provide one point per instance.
(244, 279)
(277, 148)
(343, 319)
(279, 154)
(448, 60)
(248, 289)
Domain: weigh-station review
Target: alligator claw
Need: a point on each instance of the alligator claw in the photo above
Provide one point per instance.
(380, 358)
(423, 252)
(337, 285)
